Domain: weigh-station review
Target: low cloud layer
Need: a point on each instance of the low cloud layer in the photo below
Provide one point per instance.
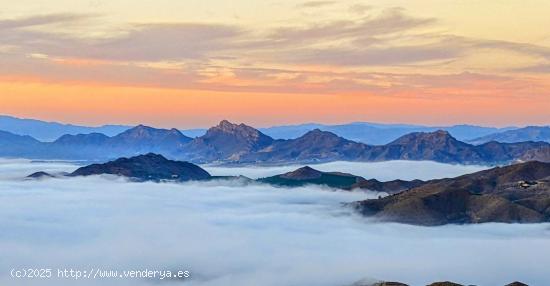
(226, 233)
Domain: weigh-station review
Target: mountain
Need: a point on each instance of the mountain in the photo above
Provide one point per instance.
(365, 132)
(82, 140)
(541, 153)
(13, 145)
(314, 146)
(49, 131)
(307, 175)
(226, 141)
(148, 139)
(229, 143)
(517, 193)
(437, 146)
(505, 152)
(95, 146)
(149, 167)
(390, 187)
(530, 133)
(440, 146)
(376, 133)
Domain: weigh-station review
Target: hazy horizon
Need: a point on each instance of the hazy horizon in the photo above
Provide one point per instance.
(282, 124)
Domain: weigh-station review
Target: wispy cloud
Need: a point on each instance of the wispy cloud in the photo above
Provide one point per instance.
(316, 4)
(283, 58)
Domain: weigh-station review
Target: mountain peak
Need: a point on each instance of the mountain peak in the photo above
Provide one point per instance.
(439, 136)
(241, 131)
(229, 141)
(226, 124)
(228, 127)
(143, 131)
(318, 133)
(304, 173)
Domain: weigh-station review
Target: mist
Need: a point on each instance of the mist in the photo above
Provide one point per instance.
(229, 233)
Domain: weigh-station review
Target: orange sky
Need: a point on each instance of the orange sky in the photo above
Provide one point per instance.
(319, 61)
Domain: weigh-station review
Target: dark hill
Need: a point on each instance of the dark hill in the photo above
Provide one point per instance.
(307, 175)
(149, 167)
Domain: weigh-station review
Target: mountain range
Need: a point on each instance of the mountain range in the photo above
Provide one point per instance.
(365, 132)
(529, 133)
(229, 143)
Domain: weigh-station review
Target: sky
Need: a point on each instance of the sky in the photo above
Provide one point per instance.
(185, 64)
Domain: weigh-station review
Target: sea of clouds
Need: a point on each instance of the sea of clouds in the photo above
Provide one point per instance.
(229, 233)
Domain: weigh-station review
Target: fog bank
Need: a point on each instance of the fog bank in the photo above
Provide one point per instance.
(227, 233)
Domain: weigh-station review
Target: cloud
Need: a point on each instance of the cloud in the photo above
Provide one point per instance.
(280, 59)
(40, 20)
(387, 22)
(316, 4)
(232, 234)
(542, 69)
(154, 42)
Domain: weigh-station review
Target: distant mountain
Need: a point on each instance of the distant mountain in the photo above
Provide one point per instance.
(530, 133)
(50, 131)
(148, 139)
(437, 146)
(365, 132)
(149, 167)
(516, 193)
(440, 146)
(314, 146)
(13, 145)
(229, 143)
(378, 134)
(309, 176)
(95, 146)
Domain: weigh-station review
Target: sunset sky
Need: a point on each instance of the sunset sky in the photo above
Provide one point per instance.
(191, 63)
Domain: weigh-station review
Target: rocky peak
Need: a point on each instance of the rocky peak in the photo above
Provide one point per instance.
(235, 129)
(239, 133)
